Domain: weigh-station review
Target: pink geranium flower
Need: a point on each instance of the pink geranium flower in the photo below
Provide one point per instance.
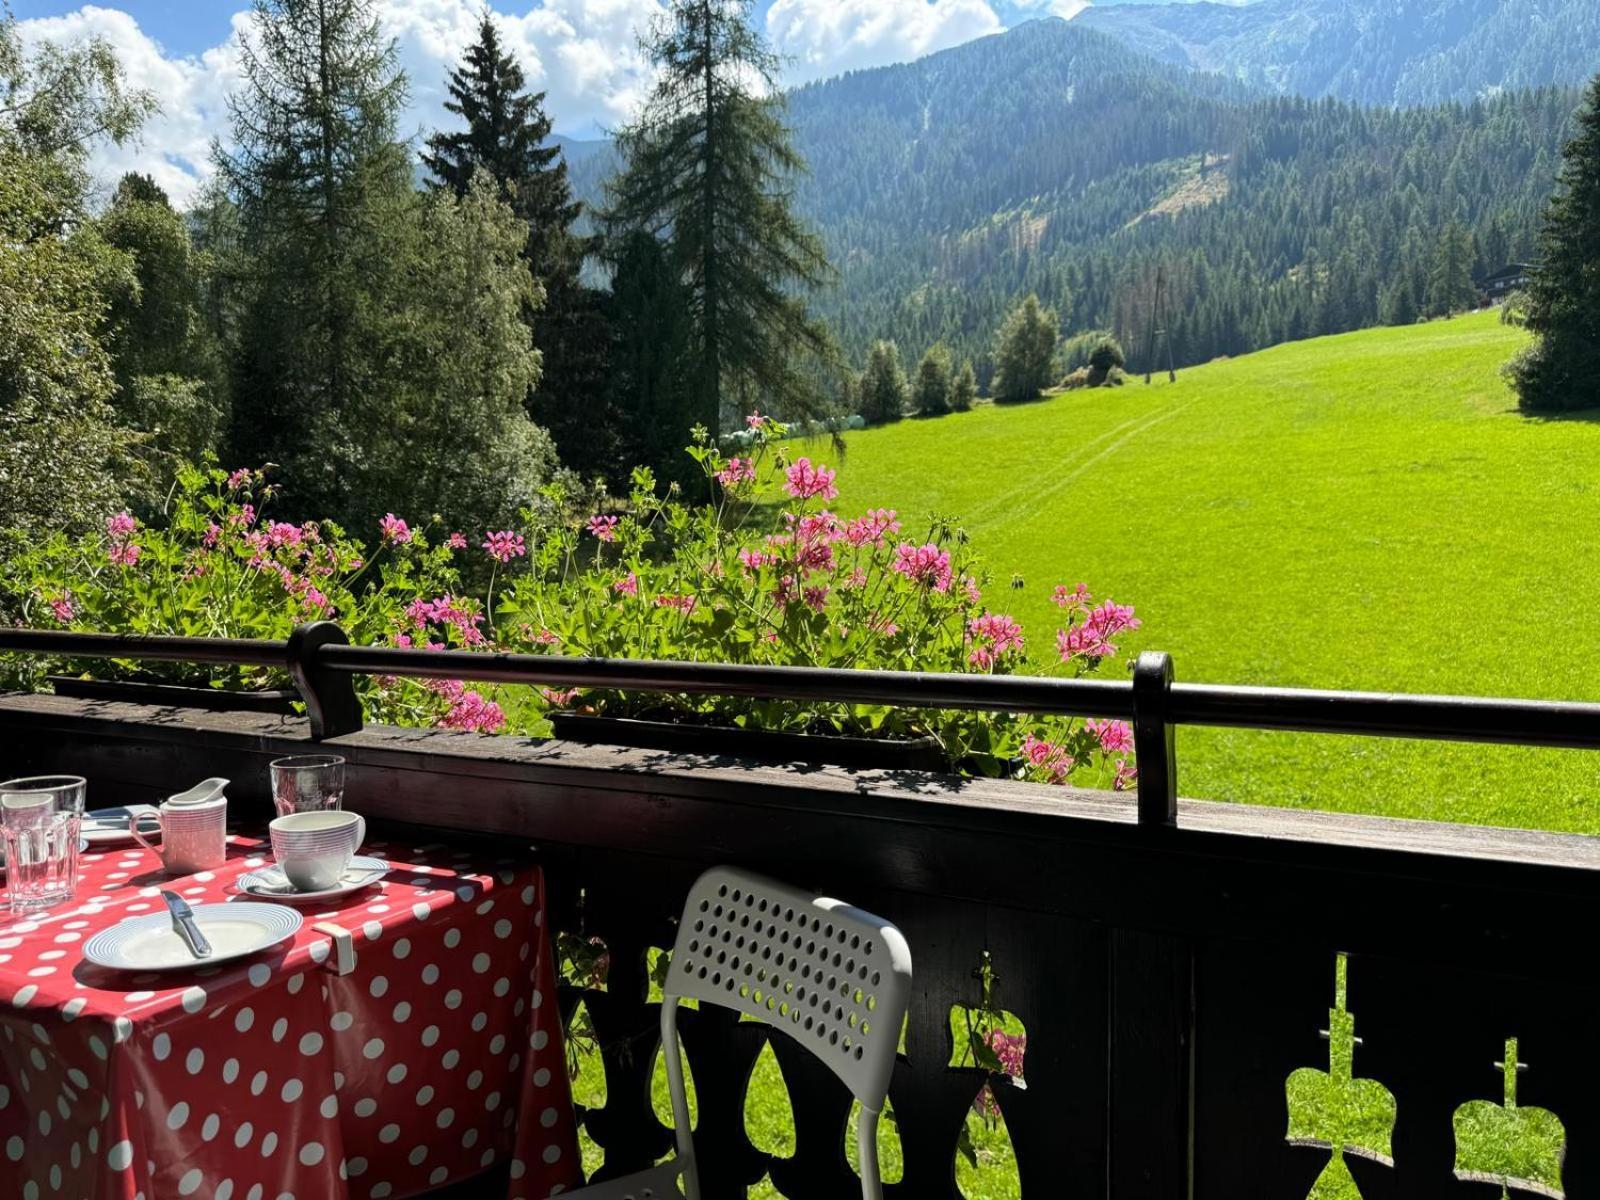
(394, 529)
(872, 528)
(456, 541)
(471, 711)
(1125, 777)
(1115, 737)
(121, 525)
(1092, 639)
(755, 420)
(504, 545)
(1077, 597)
(604, 528)
(213, 532)
(684, 604)
(991, 636)
(239, 479)
(61, 606)
(738, 470)
(805, 481)
(125, 554)
(1048, 758)
(628, 585)
(927, 565)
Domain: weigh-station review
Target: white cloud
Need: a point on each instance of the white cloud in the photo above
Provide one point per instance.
(173, 147)
(825, 37)
(583, 53)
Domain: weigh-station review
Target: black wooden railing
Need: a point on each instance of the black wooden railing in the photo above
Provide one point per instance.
(321, 661)
(1173, 961)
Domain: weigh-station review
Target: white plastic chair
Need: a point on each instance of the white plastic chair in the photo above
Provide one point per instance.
(836, 979)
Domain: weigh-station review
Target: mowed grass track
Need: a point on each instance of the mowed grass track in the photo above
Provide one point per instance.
(1366, 511)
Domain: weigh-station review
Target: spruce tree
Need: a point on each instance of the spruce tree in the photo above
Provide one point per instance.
(648, 316)
(507, 135)
(931, 394)
(710, 166)
(964, 388)
(1450, 286)
(1560, 371)
(883, 386)
(323, 187)
(1025, 352)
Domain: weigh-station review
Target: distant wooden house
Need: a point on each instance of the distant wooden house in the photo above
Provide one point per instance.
(1503, 282)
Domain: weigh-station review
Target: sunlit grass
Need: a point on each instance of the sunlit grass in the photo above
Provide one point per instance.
(1366, 511)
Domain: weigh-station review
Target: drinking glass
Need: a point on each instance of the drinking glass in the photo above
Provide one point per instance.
(41, 820)
(307, 783)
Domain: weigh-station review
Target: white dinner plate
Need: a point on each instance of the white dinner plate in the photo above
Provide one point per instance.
(109, 826)
(269, 883)
(149, 943)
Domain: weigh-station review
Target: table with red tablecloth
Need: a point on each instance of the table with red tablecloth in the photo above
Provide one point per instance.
(437, 1056)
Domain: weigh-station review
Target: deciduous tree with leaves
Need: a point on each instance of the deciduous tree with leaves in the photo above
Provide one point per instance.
(169, 368)
(63, 456)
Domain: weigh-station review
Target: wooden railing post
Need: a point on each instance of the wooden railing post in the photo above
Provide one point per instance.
(330, 696)
(1153, 738)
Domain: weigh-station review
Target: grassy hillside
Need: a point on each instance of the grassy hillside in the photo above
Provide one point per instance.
(1366, 511)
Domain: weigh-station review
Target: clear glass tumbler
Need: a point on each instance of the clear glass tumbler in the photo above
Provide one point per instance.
(307, 783)
(41, 821)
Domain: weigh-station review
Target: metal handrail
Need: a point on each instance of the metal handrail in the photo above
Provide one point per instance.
(322, 662)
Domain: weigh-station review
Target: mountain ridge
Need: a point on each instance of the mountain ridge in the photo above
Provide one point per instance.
(1403, 52)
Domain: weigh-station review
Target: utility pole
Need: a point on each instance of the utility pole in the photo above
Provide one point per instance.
(1155, 323)
(1158, 329)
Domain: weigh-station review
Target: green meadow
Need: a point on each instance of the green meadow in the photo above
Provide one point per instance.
(1367, 511)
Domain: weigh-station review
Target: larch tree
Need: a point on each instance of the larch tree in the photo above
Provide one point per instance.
(710, 168)
(1560, 371)
(323, 187)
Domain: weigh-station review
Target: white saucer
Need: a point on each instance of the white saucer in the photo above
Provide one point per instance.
(269, 883)
(109, 826)
(149, 943)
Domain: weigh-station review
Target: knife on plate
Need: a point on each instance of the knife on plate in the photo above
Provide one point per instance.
(183, 924)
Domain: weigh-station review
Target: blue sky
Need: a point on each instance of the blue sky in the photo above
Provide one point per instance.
(583, 53)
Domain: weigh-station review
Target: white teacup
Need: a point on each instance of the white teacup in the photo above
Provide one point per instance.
(314, 849)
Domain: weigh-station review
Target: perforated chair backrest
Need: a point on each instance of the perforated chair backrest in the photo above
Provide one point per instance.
(836, 978)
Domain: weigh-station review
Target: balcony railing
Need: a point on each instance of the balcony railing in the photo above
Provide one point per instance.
(1174, 961)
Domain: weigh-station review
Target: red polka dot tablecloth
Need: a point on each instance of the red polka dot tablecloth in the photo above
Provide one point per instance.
(272, 1077)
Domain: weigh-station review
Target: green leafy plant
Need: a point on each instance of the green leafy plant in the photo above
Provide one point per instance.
(765, 573)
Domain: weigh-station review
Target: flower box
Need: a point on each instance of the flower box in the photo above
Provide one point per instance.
(890, 754)
(176, 695)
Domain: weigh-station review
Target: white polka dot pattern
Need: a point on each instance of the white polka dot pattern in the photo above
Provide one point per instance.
(273, 1079)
